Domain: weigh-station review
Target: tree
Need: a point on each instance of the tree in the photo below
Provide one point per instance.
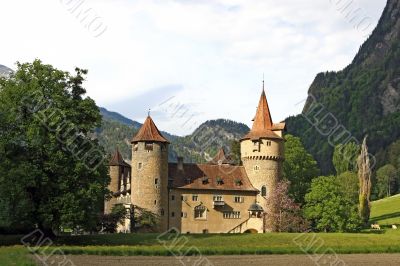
(345, 157)
(282, 213)
(299, 168)
(348, 182)
(145, 220)
(52, 172)
(387, 181)
(109, 222)
(329, 208)
(235, 152)
(394, 154)
(364, 177)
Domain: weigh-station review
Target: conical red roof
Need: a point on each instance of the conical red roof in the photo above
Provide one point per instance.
(149, 132)
(262, 125)
(117, 160)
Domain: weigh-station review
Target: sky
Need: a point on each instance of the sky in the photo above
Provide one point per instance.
(189, 61)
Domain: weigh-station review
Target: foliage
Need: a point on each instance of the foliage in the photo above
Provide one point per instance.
(282, 213)
(349, 185)
(364, 177)
(235, 155)
(52, 170)
(145, 220)
(345, 157)
(388, 181)
(329, 208)
(109, 221)
(299, 168)
(361, 99)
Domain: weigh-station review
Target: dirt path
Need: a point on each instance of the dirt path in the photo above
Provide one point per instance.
(273, 260)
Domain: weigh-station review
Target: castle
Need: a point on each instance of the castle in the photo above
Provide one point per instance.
(215, 197)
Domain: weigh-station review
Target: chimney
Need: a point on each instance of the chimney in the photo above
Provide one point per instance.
(180, 163)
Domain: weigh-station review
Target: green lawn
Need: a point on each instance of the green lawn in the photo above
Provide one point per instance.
(386, 211)
(16, 255)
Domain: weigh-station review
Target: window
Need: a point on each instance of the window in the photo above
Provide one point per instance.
(205, 180)
(205, 231)
(220, 181)
(148, 147)
(172, 197)
(200, 212)
(256, 146)
(139, 166)
(256, 168)
(155, 202)
(239, 199)
(156, 181)
(217, 198)
(263, 191)
(195, 197)
(268, 143)
(231, 215)
(172, 214)
(183, 214)
(183, 198)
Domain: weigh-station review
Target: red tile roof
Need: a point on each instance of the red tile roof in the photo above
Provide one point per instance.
(262, 125)
(206, 176)
(149, 132)
(117, 160)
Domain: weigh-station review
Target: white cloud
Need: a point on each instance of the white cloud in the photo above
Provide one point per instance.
(216, 50)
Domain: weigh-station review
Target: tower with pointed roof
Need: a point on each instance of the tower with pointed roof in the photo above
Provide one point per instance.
(150, 171)
(120, 174)
(262, 151)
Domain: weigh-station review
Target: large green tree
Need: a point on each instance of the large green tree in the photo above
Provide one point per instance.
(52, 171)
(299, 168)
(345, 157)
(387, 181)
(329, 208)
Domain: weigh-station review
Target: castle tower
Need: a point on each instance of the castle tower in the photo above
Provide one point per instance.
(262, 151)
(150, 172)
(120, 177)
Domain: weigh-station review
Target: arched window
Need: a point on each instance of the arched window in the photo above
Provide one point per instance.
(263, 191)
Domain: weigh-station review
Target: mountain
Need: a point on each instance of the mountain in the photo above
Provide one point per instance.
(362, 99)
(202, 144)
(5, 71)
(118, 117)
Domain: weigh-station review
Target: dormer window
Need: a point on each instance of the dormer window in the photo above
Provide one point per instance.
(220, 181)
(205, 180)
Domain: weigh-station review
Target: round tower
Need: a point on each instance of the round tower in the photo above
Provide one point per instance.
(262, 152)
(150, 172)
(119, 172)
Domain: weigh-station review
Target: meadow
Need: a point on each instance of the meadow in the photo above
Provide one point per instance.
(384, 212)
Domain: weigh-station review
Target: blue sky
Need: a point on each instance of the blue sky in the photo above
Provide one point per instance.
(190, 61)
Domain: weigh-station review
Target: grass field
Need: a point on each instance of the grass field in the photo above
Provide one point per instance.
(16, 255)
(386, 211)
